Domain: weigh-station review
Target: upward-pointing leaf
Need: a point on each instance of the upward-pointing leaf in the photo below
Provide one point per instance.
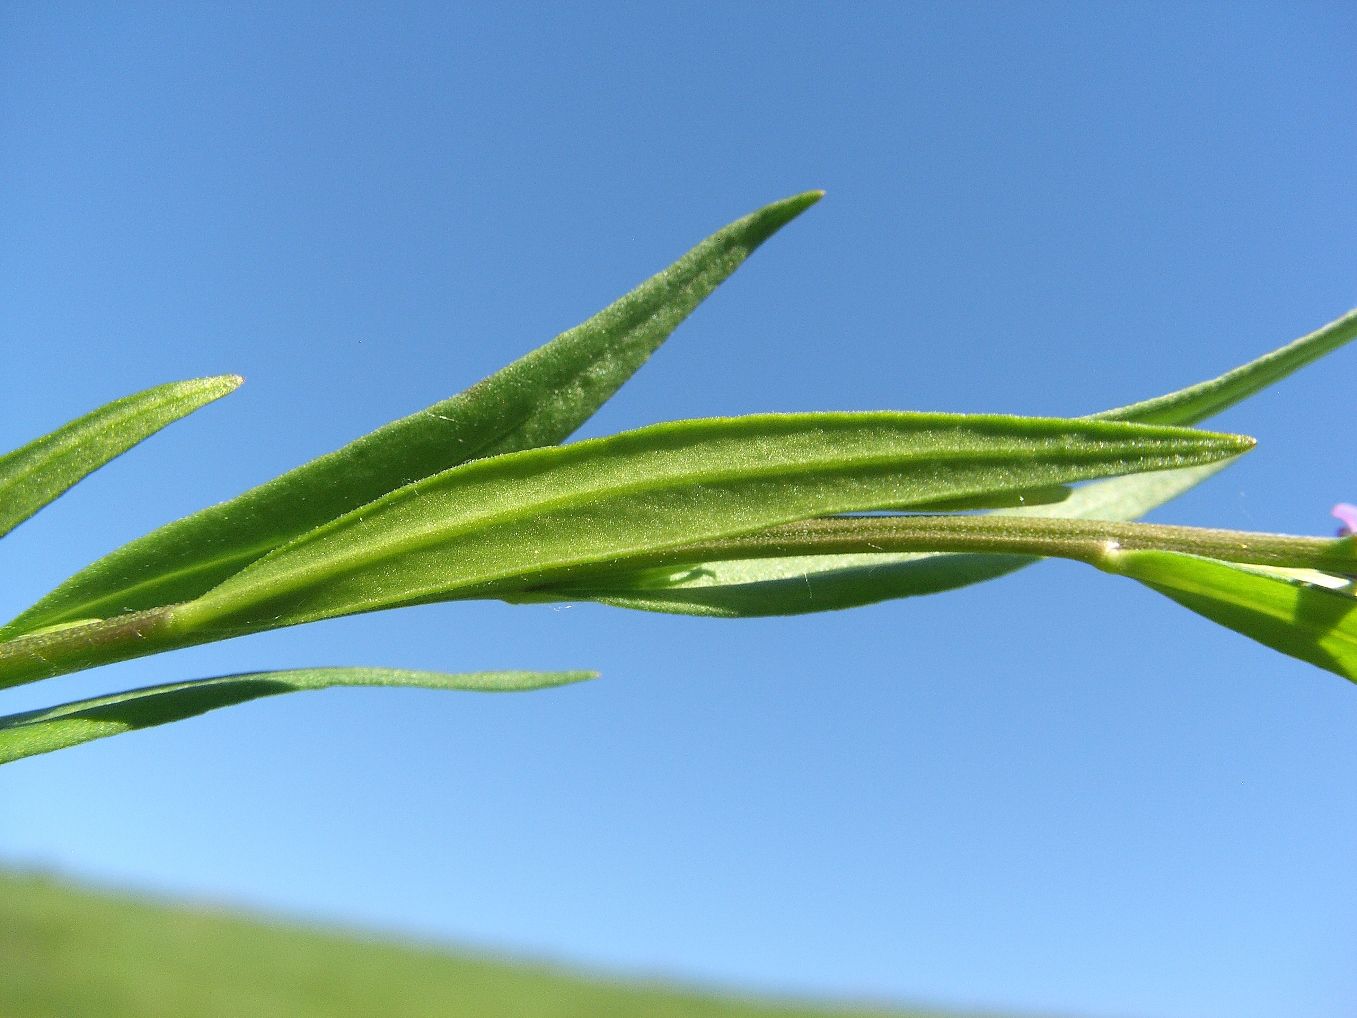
(37, 473)
(500, 525)
(538, 400)
(786, 586)
(1205, 399)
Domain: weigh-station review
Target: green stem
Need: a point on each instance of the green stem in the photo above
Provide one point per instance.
(89, 644)
(1083, 540)
(86, 645)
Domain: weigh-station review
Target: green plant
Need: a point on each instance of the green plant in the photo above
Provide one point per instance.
(473, 498)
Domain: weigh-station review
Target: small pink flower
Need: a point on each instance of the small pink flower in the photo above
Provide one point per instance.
(1347, 515)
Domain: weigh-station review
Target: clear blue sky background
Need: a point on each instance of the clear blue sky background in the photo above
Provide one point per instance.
(1054, 791)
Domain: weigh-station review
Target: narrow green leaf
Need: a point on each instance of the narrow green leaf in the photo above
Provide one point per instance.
(492, 527)
(538, 400)
(37, 473)
(1306, 620)
(827, 583)
(1206, 399)
(42, 731)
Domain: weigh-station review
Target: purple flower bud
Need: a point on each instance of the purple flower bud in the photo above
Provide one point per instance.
(1347, 515)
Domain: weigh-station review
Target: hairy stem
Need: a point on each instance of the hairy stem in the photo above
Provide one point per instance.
(86, 645)
(1084, 540)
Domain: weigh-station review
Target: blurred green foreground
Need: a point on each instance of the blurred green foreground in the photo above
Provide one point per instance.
(75, 953)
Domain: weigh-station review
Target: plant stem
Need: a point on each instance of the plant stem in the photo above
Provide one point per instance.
(1083, 540)
(86, 645)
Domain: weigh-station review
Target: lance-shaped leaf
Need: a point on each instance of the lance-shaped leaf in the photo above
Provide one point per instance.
(42, 731)
(496, 526)
(1307, 620)
(787, 586)
(538, 400)
(37, 473)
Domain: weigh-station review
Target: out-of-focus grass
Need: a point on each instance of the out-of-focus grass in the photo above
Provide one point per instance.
(76, 953)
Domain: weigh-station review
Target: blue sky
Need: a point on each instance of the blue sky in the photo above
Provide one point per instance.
(1051, 792)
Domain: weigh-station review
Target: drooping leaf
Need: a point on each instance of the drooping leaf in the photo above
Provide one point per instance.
(39, 472)
(1311, 621)
(495, 526)
(41, 731)
(797, 585)
(538, 400)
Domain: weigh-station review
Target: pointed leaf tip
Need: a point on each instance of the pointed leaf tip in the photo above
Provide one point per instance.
(766, 221)
(36, 474)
